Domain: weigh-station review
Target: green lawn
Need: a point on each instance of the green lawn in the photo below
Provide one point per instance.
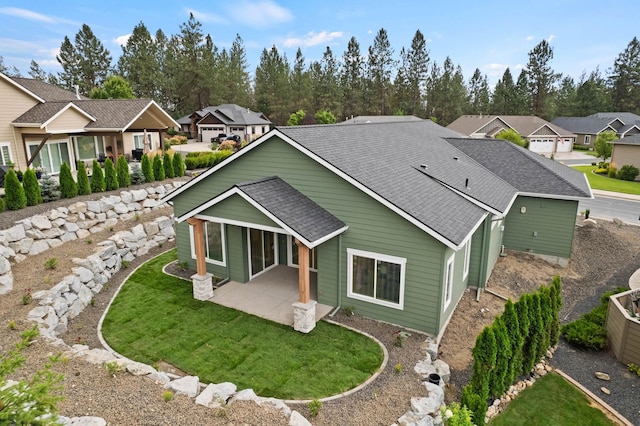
(154, 318)
(551, 401)
(608, 184)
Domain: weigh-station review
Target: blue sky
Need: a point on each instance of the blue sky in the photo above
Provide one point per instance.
(489, 35)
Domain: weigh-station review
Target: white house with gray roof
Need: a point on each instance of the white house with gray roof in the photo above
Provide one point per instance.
(209, 122)
(396, 224)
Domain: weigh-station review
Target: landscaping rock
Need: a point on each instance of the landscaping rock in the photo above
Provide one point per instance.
(298, 419)
(602, 376)
(188, 385)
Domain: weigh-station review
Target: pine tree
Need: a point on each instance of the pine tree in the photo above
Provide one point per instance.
(147, 169)
(31, 187)
(178, 165)
(158, 168)
(68, 187)
(137, 177)
(167, 164)
(84, 188)
(97, 178)
(14, 194)
(49, 188)
(124, 177)
(110, 176)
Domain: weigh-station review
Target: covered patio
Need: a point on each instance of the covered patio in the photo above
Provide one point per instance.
(269, 295)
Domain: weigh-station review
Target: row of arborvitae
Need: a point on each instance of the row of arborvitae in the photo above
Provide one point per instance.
(31, 192)
(512, 345)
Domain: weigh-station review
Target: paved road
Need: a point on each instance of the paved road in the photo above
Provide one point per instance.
(610, 207)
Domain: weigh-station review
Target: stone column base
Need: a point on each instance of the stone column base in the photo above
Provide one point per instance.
(304, 316)
(202, 286)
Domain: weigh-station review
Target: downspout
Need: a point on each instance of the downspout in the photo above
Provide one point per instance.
(339, 277)
(483, 264)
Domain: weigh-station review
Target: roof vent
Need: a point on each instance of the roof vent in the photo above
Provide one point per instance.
(423, 166)
(466, 183)
(456, 158)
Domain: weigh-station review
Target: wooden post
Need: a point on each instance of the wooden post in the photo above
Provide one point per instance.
(303, 272)
(198, 236)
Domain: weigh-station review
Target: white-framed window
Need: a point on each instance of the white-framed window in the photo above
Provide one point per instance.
(376, 278)
(467, 258)
(213, 243)
(88, 147)
(51, 155)
(448, 281)
(292, 255)
(587, 139)
(5, 154)
(138, 141)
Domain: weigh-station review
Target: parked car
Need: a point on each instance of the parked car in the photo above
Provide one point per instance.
(226, 137)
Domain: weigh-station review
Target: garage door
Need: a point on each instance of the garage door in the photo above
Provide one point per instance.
(210, 132)
(541, 145)
(564, 145)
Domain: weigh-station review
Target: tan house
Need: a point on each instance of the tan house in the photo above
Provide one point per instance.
(626, 151)
(42, 125)
(544, 137)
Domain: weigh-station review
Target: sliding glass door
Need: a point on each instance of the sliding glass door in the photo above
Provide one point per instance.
(262, 251)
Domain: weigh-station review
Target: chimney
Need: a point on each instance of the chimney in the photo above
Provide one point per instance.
(77, 91)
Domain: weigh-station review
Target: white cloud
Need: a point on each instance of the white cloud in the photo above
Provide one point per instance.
(312, 39)
(529, 38)
(26, 14)
(206, 17)
(122, 40)
(261, 13)
(519, 66)
(551, 37)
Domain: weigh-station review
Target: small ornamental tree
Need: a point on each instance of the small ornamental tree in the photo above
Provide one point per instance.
(178, 165)
(84, 188)
(14, 195)
(484, 361)
(147, 168)
(49, 188)
(325, 117)
(500, 377)
(124, 177)
(555, 292)
(296, 118)
(136, 174)
(602, 144)
(475, 403)
(522, 311)
(68, 187)
(516, 340)
(110, 177)
(31, 188)
(97, 178)
(167, 163)
(158, 168)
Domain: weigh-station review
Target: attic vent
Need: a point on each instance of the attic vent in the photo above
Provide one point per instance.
(466, 183)
(456, 158)
(423, 166)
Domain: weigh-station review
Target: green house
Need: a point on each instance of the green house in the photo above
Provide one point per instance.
(395, 220)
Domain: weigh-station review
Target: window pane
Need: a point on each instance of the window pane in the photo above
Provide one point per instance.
(86, 147)
(255, 240)
(294, 252)
(388, 282)
(363, 274)
(214, 241)
(269, 249)
(5, 155)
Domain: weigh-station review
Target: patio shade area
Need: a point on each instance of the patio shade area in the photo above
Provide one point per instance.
(269, 296)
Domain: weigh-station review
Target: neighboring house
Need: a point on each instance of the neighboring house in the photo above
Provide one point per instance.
(397, 223)
(626, 151)
(588, 128)
(380, 119)
(44, 125)
(544, 137)
(207, 123)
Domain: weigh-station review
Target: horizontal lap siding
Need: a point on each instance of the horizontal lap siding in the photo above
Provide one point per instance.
(495, 247)
(372, 227)
(632, 344)
(552, 220)
(237, 208)
(476, 257)
(615, 328)
(183, 245)
(625, 154)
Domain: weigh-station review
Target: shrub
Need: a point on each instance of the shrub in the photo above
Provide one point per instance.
(110, 177)
(457, 415)
(31, 188)
(50, 189)
(15, 196)
(612, 172)
(201, 160)
(474, 403)
(68, 186)
(178, 165)
(51, 263)
(500, 379)
(601, 171)
(124, 177)
(227, 146)
(167, 164)
(585, 333)
(147, 170)
(97, 178)
(158, 168)
(516, 339)
(314, 407)
(1, 204)
(628, 172)
(137, 177)
(84, 188)
(484, 361)
(167, 395)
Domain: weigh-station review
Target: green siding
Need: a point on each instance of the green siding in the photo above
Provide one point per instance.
(546, 227)
(237, 208)
(372, 227)
(495, 247)
(475, 262)
(237, 255)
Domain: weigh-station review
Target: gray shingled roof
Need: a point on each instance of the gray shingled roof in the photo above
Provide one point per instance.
(380, 119)
(109, 113)
(291, 207)
(46, 91)
(625, 117)
(527, 171)
(230, 114)
(629, 140)
(526, 125)
(584, 125)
